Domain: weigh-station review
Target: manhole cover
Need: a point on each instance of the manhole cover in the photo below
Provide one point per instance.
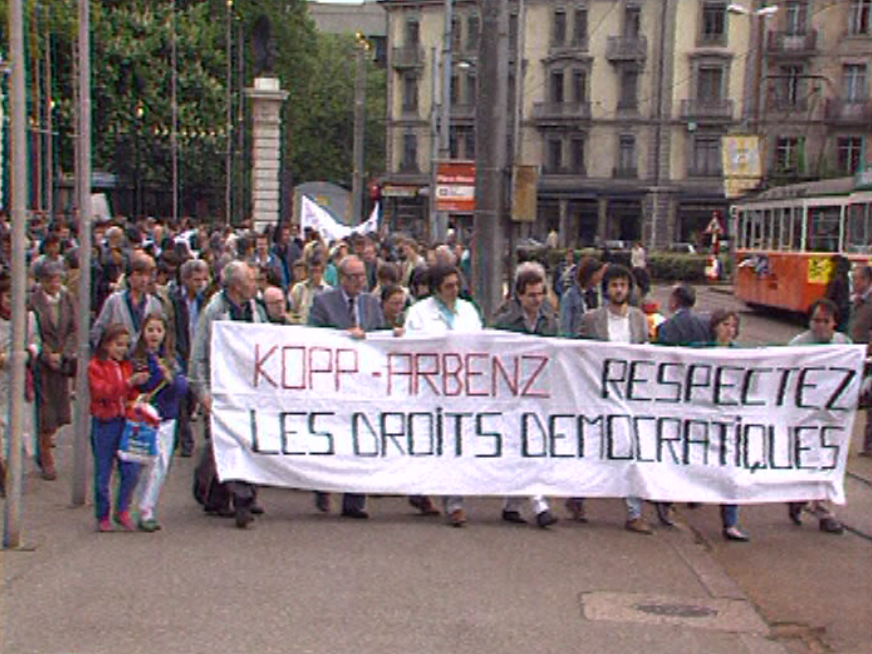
(677, 610)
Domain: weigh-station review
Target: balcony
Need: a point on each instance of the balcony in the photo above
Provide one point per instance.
(463, 110)
(785, 44)
(858, 113)
(559, 112)
(778, 104)
(625, 172)
(708, 172)
(572, 46)
(626, 48)
(706, 109)
(407, 56)
(564, 171)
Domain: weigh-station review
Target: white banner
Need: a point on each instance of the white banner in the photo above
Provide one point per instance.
(315, 216)
(496, 413)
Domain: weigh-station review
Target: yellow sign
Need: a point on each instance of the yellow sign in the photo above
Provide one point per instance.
(741, 163)
(819, 270)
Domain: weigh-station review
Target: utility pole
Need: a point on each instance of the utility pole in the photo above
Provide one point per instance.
(228, 117)
(490, 162)
(434, 145)
(83, 175)
(18, 174)
(174, 127)
(49, 125)
(441, 223)
(360, 51)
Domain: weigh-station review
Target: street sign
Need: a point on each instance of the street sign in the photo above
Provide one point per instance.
(455, 186)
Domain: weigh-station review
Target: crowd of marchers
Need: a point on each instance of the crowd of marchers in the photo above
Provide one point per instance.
(157, 289)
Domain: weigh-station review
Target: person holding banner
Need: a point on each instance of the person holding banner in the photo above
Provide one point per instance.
(617, 322)
(236, 302)
(724, 327)
(437, 315)
(860, 331)
(528, 313)
(351, 308)
(822, 330)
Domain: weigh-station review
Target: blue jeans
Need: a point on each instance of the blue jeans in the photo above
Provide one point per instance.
(729, 515)
(105, 438)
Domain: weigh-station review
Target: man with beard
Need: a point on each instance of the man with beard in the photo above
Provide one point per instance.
(618, 322)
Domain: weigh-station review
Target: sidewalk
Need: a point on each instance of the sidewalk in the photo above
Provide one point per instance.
(306, 582)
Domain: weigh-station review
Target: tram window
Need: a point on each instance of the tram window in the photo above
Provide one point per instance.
(796, 243)
(823, 229)
(859, 233)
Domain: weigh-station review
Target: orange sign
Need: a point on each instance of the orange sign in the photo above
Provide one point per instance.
(455, 186)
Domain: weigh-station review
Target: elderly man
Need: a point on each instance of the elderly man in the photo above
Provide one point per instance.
(235, 302)
(188, 301)
(684, 327)
(348, 307)
(276, 305)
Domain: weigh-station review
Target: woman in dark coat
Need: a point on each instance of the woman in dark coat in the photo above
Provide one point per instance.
(56, 323)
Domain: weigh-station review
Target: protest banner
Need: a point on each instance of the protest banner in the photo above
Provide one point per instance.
(495, 413)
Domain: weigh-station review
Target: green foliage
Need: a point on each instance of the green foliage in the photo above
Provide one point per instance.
(667, 267)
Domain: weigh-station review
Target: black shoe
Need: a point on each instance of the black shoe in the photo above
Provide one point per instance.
(322, 502)
(513, 516)
(831, 526)
(736, 534)
(357, 514)
(257, 509)
(794, 512)
(243, 517)
(545, 519)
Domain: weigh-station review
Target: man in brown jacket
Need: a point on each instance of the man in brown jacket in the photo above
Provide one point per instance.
(860, 330)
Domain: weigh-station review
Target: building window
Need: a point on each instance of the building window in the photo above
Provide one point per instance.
(455, 89)
(632, 22)
(860, 19)
(710, 84)
(410, 94)
(788, 154)
(558, 32)
(554, 155)
(577, 154)
(854, 83)
(706, 156)
(453, 143)
(629, 89)
(455, 33)
(471, 88)
(413, 33)
(556, 86)
(796, 17)
(791, 82)
(849, 154)
(714, 23)
(579, 28)
(409, 161)
(472, 33)
(469, 143)
(627, 156)
(513, 32)
(579, 86)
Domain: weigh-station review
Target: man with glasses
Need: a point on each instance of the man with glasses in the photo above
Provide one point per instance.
(352, 308)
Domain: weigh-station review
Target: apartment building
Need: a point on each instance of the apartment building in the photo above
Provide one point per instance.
(624, 104)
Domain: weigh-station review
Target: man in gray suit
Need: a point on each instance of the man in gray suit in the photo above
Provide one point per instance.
(684, 327)
(351, 308)
(618, 322)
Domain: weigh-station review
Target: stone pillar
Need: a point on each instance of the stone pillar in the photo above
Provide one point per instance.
(267, 97)
(602, 221)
